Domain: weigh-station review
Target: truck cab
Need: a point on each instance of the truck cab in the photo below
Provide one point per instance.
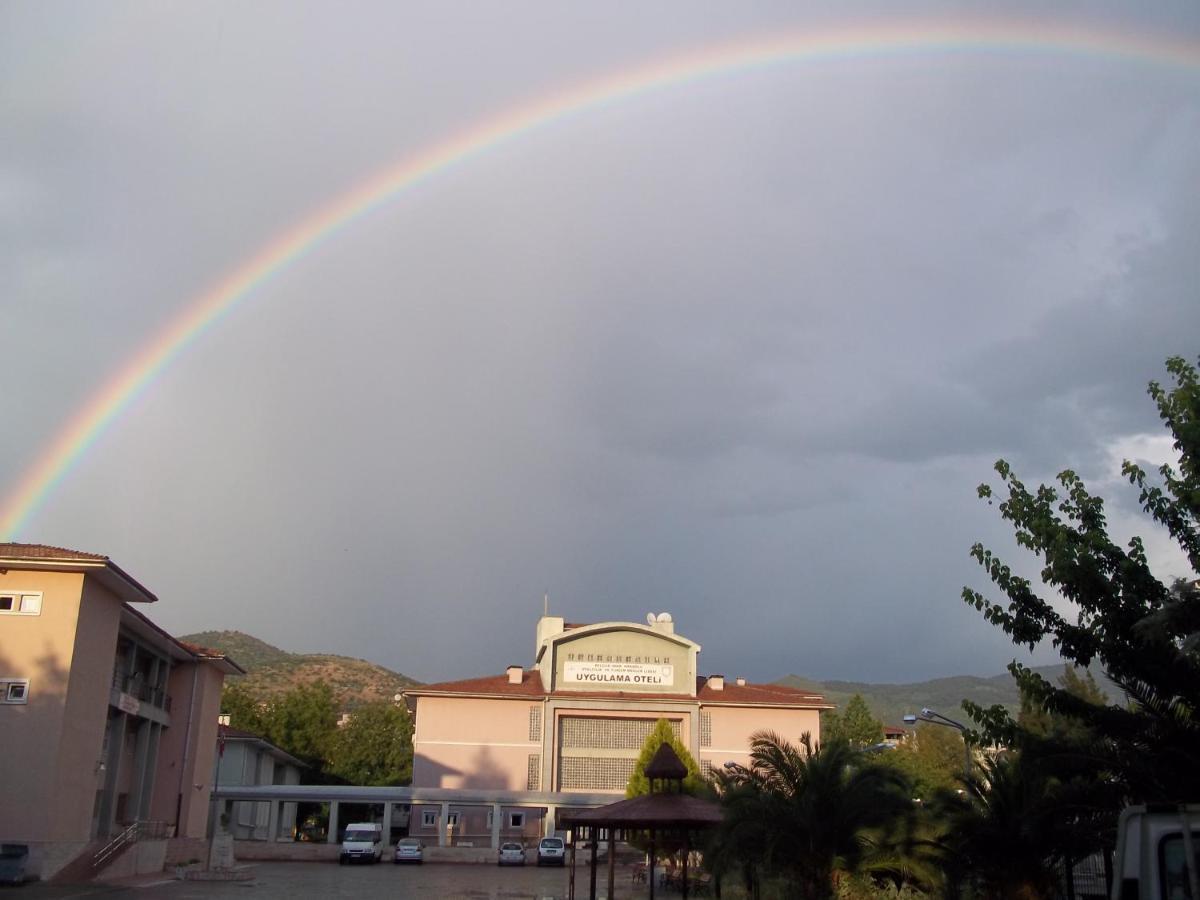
(1157, 855)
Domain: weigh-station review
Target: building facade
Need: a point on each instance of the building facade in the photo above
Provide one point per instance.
(105, 719)
(576, 720)
(245, 758)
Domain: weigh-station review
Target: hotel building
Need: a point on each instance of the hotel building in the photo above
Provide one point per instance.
(575, 721)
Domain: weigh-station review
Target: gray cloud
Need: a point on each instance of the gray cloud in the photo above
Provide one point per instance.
(740, 349)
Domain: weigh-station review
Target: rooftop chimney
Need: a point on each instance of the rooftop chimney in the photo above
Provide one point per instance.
(741, 682)
(716, 682)
(515, 674)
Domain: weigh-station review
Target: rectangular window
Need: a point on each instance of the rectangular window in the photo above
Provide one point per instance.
(428, 818)
(535, 723)
(14, 690)
(705, 729)
(491, 818)
(516, 820)
(21, 603)
(533, 774)
(452, 820)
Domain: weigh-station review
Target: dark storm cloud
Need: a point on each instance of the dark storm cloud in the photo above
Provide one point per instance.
(740, 349)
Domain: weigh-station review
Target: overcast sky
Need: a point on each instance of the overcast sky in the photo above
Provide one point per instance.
(740, 350)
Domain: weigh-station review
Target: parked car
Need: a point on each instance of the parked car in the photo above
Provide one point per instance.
(552, 851)
(511, 855)
(362, 841)
(408, 850)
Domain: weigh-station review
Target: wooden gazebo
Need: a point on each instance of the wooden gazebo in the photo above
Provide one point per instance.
(664, 815)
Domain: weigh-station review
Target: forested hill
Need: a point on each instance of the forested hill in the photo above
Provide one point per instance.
(889, 702)
(272, 671)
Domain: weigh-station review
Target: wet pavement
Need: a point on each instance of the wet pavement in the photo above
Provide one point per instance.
(312, 879)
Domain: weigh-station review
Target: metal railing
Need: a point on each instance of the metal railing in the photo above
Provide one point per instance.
(138, 831)
(137, 686)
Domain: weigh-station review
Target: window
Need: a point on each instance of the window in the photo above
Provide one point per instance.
(452, 820)
(533, 774)
(428, 818)
(21, 603)
(705, 729)
(516, 820)
(535, 723)
(14, 690)
(491, 818)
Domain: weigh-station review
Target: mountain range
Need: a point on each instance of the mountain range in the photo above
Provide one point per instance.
(272, 671)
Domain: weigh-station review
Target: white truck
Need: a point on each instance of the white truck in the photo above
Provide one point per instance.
(362, 841)
(1156, 855)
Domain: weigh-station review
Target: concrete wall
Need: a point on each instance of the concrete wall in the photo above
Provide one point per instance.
(472, 743)
(187, 749)
(732, 727)
(86, 714)
(40, 648)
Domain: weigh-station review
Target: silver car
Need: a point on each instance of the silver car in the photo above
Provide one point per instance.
(408, 850)
(511, 855)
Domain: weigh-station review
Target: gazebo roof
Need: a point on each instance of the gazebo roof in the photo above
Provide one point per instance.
(666, 764)
(659, 811)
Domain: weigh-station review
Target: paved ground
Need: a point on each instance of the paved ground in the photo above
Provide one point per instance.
(295, 880)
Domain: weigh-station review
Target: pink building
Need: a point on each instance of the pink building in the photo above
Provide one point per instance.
(576, 721)
(105, 719)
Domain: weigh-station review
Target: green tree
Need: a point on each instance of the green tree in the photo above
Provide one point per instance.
(304, 723)
(861, 728)
(804, 814)
(1036, 720)
(375, 746)
(1140, 630)
(932, 760)
(833, 727)
(662, 733)
(243, 708)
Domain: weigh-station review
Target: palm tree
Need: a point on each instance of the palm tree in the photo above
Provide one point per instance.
(808, 814)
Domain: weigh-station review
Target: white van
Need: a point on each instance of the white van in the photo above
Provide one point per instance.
(362, 840)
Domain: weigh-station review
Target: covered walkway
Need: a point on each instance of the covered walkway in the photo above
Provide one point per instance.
(402, 800)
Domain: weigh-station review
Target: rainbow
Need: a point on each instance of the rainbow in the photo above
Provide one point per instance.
(205, 311)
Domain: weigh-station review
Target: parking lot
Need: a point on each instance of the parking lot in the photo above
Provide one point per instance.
(479, 882)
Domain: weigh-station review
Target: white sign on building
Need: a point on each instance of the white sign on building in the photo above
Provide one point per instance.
(617, 673)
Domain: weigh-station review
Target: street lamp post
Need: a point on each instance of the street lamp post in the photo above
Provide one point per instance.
(936, 718)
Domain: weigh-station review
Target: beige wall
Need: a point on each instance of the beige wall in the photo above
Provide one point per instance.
(39, 648)
(476, 743)
(732, 727)
(186, 751)
(86, 713)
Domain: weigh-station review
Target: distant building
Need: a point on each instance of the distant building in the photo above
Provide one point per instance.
(245, 758)
(105, 719)
(576, 721)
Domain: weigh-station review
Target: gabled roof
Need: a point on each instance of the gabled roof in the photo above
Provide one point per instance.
(225, 732)
(530, 687)
(50, 558)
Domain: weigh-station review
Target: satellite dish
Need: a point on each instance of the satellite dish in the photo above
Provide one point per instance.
(651, 618)
(664, 617)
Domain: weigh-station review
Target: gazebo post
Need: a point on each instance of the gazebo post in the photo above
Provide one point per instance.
(612, 863)
(594, 835)
(571, 877)
(687, 850)
(651, 864)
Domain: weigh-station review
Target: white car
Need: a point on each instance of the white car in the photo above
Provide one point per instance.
(408, 850)
(551, 852)
(511, 855)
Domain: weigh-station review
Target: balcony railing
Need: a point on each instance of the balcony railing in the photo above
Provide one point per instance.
(137, 686)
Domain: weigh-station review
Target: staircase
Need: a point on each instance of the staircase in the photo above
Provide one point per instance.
(98, 856)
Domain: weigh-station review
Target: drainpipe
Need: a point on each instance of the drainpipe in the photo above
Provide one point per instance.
(187, 745)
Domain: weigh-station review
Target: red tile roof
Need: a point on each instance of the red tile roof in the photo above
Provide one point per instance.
(531, 687)
(45, 551)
